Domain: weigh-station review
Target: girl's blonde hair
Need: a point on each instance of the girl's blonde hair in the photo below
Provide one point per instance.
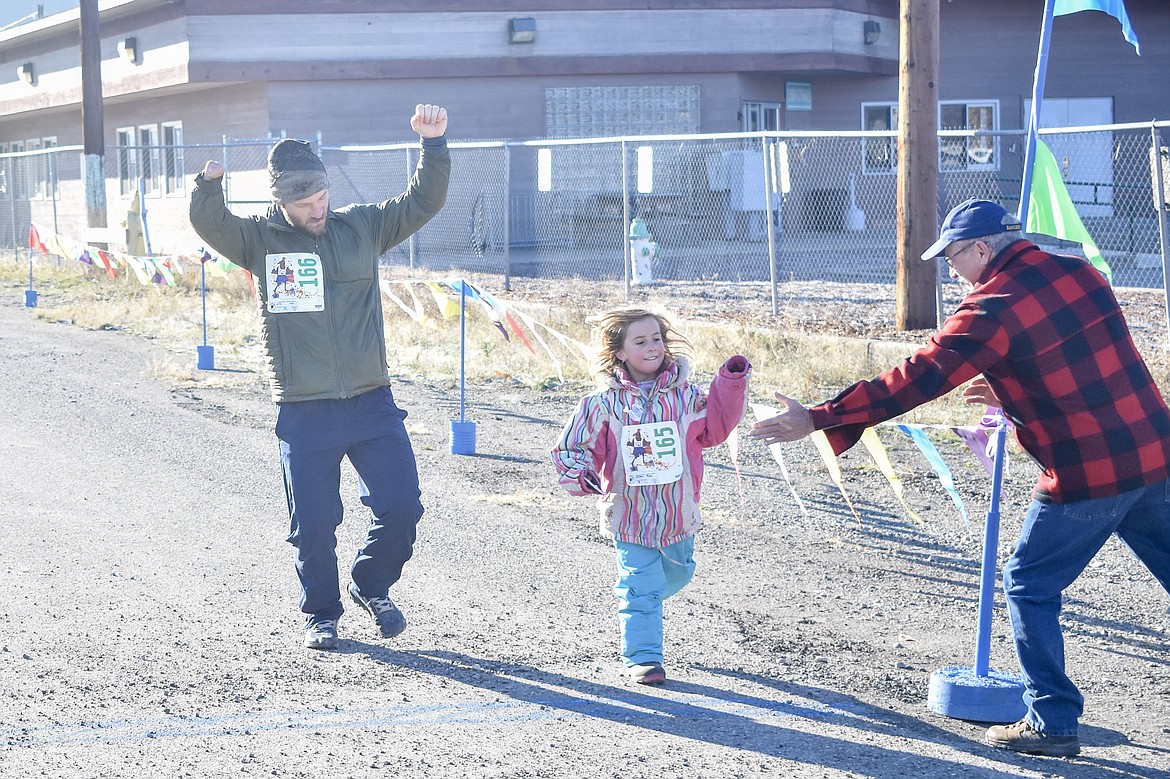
(609, 336)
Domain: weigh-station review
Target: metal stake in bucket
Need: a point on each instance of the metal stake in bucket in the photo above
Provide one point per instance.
(30, 294)
(462, 430)
(204, 355)
(979, 694)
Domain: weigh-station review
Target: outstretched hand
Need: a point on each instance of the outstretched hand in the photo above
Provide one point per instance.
(979, 393)
(791, 424)
(429, 121)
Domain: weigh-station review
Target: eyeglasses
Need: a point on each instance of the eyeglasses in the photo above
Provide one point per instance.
(951, 259)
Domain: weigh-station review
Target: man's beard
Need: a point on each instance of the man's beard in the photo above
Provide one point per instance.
(315, 229)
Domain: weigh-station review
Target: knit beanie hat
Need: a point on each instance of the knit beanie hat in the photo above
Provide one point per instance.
(295, 171)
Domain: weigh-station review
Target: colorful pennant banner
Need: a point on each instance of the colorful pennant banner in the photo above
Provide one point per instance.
(447, 293)
(976, 438)
(157, 269)
(766, 412)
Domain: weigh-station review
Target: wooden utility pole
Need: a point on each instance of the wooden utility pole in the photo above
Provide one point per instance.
(92, 119)
(917, 164)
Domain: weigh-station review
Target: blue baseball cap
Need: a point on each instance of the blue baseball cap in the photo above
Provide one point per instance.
(972, 219)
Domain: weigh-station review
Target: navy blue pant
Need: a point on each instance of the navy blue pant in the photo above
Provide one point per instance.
(314, 437)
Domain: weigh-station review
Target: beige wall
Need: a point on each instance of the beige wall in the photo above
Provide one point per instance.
(485, 108)
(570, 33)
(330, 64)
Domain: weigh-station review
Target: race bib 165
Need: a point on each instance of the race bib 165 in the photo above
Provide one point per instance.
(652, 453)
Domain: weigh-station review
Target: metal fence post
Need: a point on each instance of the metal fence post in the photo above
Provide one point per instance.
(226, 179)
(772, 269)
(625, 225)
(52, 185)
(507, 218)
(1160, 205)
(11, 178)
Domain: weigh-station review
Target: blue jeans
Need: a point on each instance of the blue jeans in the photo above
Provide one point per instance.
(646, 577)
(1056, 542)
(314, 437)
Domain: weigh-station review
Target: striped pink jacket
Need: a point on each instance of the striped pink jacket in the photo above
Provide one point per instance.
(588, 450)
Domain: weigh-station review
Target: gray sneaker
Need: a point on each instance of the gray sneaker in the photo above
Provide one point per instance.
(387, 616)
(647, 673)
(321, 634)
(1022, 737)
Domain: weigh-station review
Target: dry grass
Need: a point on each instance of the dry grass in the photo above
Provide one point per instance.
(798, 352)
(806, 367)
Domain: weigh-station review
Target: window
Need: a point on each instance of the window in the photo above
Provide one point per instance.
(145, 162)
(880, 153)
(172, 158)
(978, 152)
(150, 164)
(759, 117)
(599, 112)
(18, 164)
(33, 169)
(798, 95)
(969, 153)
(42, 170)
(127, 162)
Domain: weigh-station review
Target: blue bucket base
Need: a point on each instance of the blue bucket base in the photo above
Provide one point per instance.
(960, 693)
(462, 437)
(205, 358)
(30, 298)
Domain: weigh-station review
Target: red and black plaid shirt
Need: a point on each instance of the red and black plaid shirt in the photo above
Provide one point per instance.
(1049, 336)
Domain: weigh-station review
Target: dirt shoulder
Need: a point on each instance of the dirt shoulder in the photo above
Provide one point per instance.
(151, 624)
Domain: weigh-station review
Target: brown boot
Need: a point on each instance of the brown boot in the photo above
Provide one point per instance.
(1022, 737)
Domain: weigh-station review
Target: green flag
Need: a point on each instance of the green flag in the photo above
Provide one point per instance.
(1051, 210)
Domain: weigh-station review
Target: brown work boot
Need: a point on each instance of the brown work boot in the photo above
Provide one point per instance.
(1022, 737)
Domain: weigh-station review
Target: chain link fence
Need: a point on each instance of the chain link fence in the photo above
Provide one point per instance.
(745, 207)
(721, 208)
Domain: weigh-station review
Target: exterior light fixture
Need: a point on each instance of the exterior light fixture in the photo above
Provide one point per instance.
(873, 31)
(522, 30)
(128, 49)
(26, 73)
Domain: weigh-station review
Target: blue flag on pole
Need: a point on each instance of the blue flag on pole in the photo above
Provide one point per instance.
(1115, 8)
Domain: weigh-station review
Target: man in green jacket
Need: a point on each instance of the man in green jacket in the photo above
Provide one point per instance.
(316, 273)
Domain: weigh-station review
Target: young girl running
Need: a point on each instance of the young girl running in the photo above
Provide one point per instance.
(638, 443)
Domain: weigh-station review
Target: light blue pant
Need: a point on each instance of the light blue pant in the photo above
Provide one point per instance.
(646, 577)
(1056, 542)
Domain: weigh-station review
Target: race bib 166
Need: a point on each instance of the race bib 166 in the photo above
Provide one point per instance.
(295, 282)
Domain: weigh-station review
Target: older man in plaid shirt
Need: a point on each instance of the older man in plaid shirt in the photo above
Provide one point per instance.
(1042, 337)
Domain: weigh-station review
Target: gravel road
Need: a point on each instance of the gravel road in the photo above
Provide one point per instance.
(150, 626)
